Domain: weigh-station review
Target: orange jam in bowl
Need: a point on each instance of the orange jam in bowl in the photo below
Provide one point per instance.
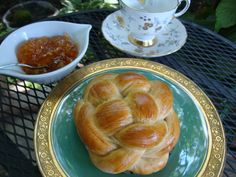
(50, 53)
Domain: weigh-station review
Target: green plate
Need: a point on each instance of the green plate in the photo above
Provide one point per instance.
(200, 150)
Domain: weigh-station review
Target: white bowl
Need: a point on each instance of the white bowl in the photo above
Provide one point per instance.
(78, 32)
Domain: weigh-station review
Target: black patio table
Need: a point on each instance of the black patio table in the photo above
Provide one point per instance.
(206, 58)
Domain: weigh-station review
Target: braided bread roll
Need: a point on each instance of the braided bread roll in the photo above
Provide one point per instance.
(127, 123)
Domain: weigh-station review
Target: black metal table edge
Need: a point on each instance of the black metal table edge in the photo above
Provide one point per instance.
(112, 10)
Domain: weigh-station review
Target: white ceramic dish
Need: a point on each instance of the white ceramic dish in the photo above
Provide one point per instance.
(169, 40)
(78, 32)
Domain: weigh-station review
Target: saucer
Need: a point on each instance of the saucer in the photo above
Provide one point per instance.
(169, 40)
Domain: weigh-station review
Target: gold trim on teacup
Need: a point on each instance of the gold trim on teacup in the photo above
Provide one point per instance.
(145, 43)
(141, 1)
(47, 161)
(141, 10)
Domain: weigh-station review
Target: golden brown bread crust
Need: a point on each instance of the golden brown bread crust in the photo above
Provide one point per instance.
(147, 165)
(163, 97)
(128, 82)
(169, 141)
(117, 161)
(142, 136)
(89, 133)
(127, 123)
(113, 115)
(143, 107)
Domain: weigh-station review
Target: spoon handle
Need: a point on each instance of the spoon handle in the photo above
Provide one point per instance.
(15, 64)
(10, 65)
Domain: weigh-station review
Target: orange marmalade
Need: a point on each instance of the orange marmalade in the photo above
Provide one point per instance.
(50, 52)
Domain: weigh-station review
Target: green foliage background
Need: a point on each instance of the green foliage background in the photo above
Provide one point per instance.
(217, 15)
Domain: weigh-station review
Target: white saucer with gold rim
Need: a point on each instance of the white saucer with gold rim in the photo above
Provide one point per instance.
(169, 40)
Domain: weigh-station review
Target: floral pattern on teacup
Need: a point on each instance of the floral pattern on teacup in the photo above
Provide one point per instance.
(147, 23)
(170, 39)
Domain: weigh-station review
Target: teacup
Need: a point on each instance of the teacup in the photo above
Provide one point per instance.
(144, 19)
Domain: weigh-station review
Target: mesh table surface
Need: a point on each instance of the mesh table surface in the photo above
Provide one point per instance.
(206, 58)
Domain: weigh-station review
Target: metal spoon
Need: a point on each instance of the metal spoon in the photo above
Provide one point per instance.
(21, 64)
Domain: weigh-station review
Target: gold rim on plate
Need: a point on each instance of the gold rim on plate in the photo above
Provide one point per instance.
(49, 166)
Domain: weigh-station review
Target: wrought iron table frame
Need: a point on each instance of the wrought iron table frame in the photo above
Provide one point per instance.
(206, 58)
